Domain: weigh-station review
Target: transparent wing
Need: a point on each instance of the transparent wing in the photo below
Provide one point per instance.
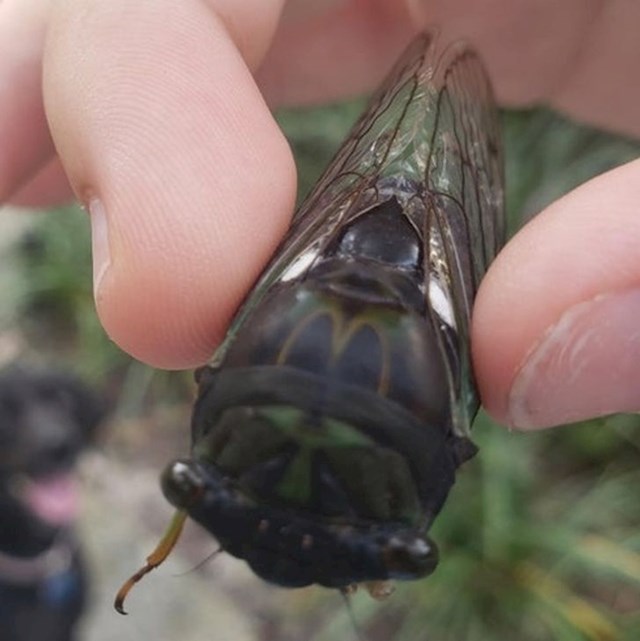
(430, 138)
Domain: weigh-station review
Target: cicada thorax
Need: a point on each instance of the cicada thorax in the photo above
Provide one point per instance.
(331, 405)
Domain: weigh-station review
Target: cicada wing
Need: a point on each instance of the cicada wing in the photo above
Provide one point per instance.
(394, 117)
(430, 138)
(464, 167)
(466, 229)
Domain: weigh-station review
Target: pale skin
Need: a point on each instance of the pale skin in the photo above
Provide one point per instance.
(155, 114)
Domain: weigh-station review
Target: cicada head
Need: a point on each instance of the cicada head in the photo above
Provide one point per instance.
(295, 549)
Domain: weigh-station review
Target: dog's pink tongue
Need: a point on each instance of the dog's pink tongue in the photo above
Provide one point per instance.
(54, 499)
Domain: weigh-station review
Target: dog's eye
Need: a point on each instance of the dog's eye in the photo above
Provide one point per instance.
(10, 405)
(52, 394)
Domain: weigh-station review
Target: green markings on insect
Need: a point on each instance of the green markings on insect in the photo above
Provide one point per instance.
(330, 424)
(377, 479)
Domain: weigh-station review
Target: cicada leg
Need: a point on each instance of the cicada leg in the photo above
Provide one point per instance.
(159, 554)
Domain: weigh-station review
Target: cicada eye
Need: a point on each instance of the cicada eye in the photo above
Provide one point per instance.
(411, 558)
(181, 483)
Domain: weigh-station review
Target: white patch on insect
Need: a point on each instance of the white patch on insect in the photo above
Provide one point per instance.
(441, 304)
(380, 590)
(300, 265)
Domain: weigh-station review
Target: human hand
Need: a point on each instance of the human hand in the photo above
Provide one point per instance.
(165, 136)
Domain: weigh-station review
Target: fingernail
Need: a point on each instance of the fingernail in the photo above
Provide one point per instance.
(99, 243)
(586, 365)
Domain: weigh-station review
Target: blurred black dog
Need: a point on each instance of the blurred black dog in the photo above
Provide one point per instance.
(46, 419)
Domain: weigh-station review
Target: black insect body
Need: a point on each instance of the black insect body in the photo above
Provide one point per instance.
(330, 424)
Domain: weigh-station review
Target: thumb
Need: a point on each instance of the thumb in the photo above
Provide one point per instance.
(556, 329)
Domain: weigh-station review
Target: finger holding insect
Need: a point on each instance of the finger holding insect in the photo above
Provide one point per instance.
(555, 321)
(166, 139)
(576, 56)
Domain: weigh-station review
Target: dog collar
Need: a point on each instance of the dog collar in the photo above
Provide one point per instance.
(36, 569)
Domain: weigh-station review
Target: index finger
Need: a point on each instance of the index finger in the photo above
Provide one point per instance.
(167, 140)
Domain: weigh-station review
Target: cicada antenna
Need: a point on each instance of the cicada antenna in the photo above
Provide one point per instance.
(200, 564)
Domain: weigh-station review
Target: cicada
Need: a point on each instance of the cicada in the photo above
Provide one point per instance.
(330, 424)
